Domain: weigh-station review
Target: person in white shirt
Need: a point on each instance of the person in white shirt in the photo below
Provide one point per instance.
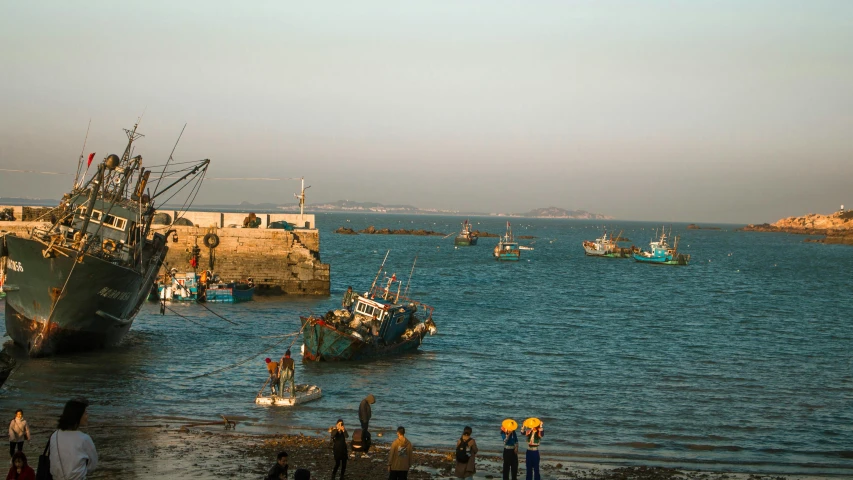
(72, 453)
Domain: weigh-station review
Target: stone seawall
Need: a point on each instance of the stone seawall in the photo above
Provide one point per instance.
(278, 261)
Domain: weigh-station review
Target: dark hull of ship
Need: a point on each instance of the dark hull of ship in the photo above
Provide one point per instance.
(325, 344)
(97, 307)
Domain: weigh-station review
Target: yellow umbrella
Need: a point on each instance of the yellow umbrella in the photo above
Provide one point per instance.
(509, 425)
(532, 422)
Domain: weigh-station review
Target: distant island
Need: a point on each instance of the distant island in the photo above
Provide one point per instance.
(349, 206)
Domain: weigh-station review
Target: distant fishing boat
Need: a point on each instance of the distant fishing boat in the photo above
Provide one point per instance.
(383, 322)
(466, 237)
(606, 247)
(660, 253)
(507, 249)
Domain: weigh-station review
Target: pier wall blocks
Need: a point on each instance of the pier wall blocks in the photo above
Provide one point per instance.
(279, 259)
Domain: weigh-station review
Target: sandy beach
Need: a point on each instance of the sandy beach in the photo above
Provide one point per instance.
(209, 451)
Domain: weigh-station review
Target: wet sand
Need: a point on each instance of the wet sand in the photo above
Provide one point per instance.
(174, 451)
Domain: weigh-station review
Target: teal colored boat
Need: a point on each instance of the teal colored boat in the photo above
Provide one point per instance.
(507, 249)
(383, 322)
(660, 253)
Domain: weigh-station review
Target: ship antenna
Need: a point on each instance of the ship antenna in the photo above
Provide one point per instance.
(379, 272)
(406, 293)
(82, 152)
(169, 160)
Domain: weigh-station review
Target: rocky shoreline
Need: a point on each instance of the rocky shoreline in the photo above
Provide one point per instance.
(836, 228)
(212, 452)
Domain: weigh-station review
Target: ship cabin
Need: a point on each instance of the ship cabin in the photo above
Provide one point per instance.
(395, 314)
(111, 225)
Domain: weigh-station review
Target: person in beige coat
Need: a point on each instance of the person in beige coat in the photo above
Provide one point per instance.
(19, 431)
(466, 446)
(400, 457)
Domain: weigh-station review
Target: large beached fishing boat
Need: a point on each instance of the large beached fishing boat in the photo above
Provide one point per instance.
(466, 237)
(383, 322)
(661, 253)
(507, 248)
(78, 283)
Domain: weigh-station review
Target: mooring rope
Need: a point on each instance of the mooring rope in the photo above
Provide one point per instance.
(218, 315)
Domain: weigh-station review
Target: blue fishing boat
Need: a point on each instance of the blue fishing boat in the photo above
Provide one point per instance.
(383, 322)
(661, 253)
(507, 249)
(232, 292)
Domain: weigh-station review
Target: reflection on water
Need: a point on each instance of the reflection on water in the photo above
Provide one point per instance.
(736, 361)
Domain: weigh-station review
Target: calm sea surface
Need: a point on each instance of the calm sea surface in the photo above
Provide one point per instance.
(741, 361)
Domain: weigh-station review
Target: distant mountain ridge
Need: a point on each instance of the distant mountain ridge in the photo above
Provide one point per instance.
(556, 212)
(346, 206)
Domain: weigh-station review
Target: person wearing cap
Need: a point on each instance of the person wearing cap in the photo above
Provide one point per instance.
(272, 367)
(349, 298)
(510, 454)
(400, 456)
(365, 412)
(287, 374)
(534, 437)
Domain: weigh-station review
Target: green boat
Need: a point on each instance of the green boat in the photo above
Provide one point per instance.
(466, 237)
(78, 283)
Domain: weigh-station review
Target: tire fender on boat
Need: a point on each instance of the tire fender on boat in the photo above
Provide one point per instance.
(211, 240)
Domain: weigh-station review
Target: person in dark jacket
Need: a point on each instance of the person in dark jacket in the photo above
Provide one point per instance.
(302, 474)
(279, 470)
(365, 412)
(339, 446)
(510, 464)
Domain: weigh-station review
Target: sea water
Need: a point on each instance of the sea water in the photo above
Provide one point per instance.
(741, 361)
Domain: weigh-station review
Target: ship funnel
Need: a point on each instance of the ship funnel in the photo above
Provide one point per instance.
(112, 161)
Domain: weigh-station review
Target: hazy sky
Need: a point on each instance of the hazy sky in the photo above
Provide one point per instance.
(706, 111)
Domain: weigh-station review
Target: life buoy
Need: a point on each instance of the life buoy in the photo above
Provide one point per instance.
(109, 246)
(211, 240)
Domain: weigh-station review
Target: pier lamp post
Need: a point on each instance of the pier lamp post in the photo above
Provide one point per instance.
(301, 197)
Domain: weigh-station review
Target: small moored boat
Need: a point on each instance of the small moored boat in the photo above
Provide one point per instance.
(466, 237)
(507, 249)
(304, 393)
(229, 292)
(660, 253)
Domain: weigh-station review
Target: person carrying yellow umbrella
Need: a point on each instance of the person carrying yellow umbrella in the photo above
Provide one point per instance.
(534, 430)
(508, 428)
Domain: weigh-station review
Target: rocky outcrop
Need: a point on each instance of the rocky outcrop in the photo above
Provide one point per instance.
(371, 230)
(480, 234)
(346, 231)
(836, 224)
(693, 226)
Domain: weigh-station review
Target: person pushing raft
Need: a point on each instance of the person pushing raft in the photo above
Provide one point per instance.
(272, 367)
(287, 374)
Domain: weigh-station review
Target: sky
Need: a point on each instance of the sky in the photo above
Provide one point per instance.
(694, 111)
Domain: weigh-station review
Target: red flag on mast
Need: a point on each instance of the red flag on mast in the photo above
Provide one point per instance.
(91, 156)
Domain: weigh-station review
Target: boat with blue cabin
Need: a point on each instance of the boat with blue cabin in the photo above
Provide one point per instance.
(232, 292)
(661, 253)
(507, 249)
(383, 322)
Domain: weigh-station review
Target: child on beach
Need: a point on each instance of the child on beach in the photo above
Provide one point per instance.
(534, 437)
(19, 431)
(20, 470)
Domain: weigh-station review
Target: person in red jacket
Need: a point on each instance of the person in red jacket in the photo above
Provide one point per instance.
(20, 470)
